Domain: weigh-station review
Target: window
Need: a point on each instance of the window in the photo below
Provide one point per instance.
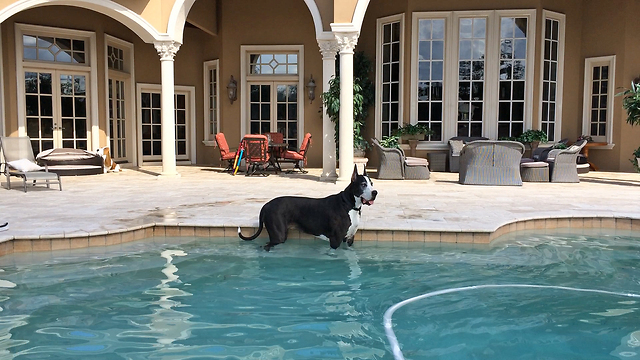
(270, 97)
(389, 72)
(471, 73)
(53, 49)
(598, 98)
(552, 69)
(120, 99)
(56, 82)
(431, 74)
(211, 98)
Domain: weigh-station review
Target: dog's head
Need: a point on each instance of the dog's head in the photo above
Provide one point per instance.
(362, 189)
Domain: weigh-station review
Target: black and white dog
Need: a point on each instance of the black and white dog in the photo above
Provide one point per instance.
(334, 218)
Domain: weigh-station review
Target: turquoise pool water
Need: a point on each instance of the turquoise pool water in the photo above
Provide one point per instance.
(225, 299)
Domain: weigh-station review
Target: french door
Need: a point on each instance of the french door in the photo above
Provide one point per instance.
(151, 123)
(273, 107)
(56, 109)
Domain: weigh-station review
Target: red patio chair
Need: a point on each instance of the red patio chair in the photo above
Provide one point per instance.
(225, 153)
(256, 154)
(299, 158)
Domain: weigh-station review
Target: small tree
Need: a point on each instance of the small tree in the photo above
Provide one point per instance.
(363, 98)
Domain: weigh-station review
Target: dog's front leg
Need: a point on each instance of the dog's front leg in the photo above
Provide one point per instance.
(349, 241)
(334, 242)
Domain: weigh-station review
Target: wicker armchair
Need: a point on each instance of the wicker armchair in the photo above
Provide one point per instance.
(562, 163)
(394, 165)
(491, 162)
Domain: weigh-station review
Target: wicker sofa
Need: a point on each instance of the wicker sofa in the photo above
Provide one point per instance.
(491, 162)
(455, 146)
(394, 165)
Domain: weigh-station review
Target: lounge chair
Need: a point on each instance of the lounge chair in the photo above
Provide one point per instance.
(19, 161)
(562, 163)
(491, 162)
(455, 145)
(394, 165)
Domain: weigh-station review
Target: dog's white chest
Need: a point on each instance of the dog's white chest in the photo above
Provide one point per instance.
(354, 215)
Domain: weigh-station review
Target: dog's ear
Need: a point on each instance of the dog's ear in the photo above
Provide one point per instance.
(365, 171)
(355, 173)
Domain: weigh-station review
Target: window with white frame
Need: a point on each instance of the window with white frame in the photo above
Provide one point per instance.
(430, 70)
(389, 73)
(552, 69)
(471, 73)
(598, 98)
(211, 98)
(271, 76)
(120, 99)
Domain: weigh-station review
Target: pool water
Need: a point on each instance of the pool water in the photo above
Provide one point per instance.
(195, 298)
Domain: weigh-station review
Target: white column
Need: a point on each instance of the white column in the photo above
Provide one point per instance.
(167, 51)
(347, 42)
(328, 49)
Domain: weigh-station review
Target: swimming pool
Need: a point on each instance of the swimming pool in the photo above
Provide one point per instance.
(197, 298)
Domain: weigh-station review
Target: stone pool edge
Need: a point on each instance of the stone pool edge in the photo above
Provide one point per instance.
(21, 244)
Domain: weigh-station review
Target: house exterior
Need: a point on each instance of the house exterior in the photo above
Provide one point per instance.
(150, 78)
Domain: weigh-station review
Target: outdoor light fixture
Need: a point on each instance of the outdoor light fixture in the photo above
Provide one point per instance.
(311, 89)
(232, 89)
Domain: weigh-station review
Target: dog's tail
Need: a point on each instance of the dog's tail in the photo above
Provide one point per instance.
(254, 235)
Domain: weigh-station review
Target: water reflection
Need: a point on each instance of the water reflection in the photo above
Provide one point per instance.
(167, 324)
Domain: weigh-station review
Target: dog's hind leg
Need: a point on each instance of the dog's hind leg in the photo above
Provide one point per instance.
(277, 230)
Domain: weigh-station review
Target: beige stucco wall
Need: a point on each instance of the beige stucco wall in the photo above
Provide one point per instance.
(239, 21)
(593, 28)
(197, 48)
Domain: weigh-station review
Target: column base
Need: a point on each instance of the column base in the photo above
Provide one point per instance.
(329, 177)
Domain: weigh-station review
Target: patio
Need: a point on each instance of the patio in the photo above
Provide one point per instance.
(439, 209)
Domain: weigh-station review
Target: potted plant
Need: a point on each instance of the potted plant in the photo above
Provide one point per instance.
(636, 159)
(413, 132)
(533, 138)
(391, 142)
(631, 104)
(363, 99)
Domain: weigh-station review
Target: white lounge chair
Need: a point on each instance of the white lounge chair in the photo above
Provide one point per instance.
(19, 161)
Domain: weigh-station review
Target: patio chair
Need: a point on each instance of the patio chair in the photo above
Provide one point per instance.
(394, 165)
(256, 154)
(491, 162)
(298, 158)
(19, 161)
(562, 163)
(225, 153)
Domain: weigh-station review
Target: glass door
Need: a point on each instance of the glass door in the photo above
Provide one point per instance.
(151, 132)
(273, 107)
(56, 109)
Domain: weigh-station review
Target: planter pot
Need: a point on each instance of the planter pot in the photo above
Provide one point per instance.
(412, 137)
(358, 153)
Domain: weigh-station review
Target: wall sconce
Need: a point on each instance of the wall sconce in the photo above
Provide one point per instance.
(311, 89)
(232, 89)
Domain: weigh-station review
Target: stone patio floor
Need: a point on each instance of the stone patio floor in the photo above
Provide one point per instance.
(204, 196)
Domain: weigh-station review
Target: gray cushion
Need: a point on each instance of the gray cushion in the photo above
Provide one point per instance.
(456, 147)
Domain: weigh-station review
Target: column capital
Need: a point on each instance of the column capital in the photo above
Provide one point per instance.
(167, 49)
(328, 49)
(347, 41)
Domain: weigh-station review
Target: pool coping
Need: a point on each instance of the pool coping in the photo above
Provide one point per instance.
(78, 240)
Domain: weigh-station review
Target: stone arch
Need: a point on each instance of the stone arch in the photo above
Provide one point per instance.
(177, 19)
(359, 12)
(317, 17)
(111, 9)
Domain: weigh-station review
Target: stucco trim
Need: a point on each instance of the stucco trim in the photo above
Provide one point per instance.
(177, 18)
(133, 21)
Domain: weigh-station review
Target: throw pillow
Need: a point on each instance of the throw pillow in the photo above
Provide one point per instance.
(456, 147)
(25, 165)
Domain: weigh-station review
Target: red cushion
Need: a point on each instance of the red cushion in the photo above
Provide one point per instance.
(222, 145)
(293, 155)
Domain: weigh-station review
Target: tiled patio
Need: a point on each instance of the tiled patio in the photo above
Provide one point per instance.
(133, 204)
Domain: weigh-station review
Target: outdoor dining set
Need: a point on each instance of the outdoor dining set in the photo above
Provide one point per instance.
(263, 153)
